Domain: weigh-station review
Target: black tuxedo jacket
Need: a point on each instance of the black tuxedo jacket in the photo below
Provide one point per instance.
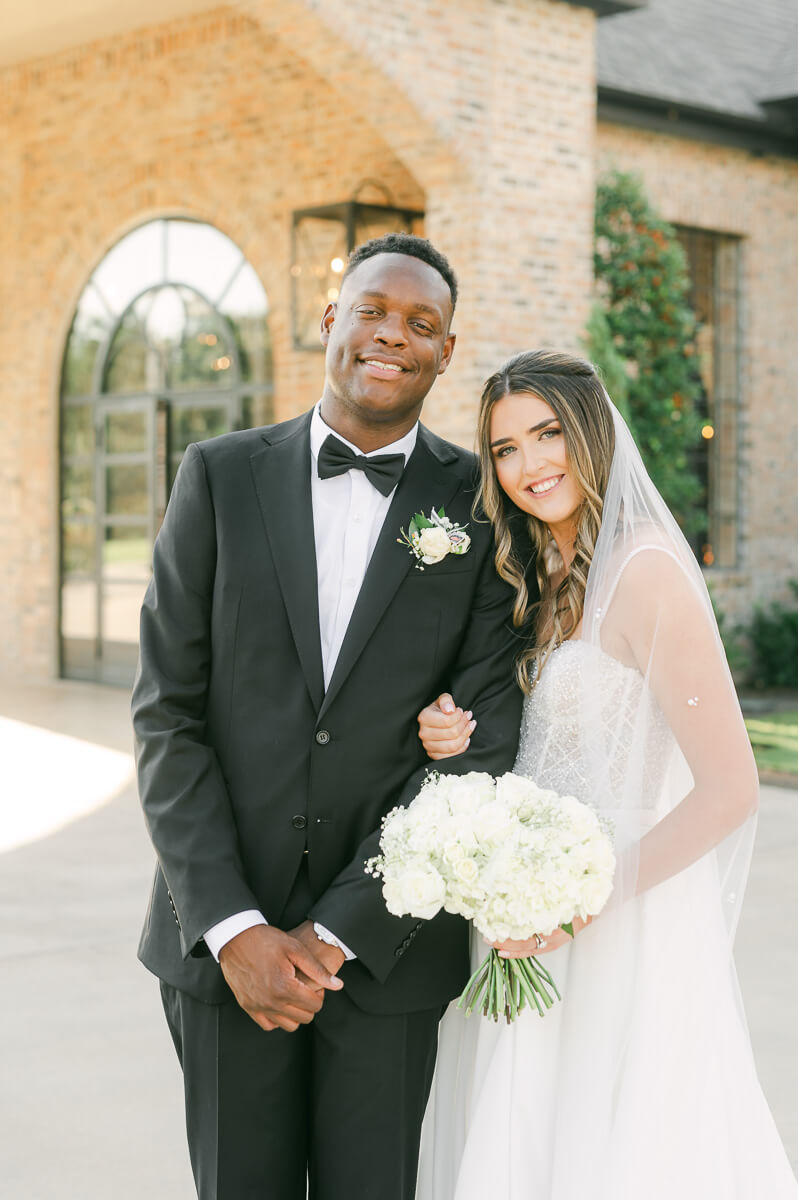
(245, 762)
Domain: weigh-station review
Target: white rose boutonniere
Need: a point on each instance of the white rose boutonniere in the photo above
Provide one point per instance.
(430, 539)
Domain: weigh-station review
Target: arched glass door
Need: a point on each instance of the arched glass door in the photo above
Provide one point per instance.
(169, 345)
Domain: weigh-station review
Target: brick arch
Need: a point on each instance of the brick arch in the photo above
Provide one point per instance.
(325, 37)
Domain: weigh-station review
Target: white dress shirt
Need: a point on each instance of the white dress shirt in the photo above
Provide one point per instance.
(348, 514)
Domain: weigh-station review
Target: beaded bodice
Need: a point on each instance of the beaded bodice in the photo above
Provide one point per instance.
(561, 744)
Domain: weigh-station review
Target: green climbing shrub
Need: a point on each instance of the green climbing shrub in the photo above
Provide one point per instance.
(641, 335)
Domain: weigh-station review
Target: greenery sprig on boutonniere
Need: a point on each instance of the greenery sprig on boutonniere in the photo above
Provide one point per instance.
(430, 539)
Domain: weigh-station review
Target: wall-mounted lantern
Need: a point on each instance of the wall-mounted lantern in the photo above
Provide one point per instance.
(321, 240)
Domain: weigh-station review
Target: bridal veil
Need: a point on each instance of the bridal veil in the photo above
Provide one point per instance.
(641, 1082)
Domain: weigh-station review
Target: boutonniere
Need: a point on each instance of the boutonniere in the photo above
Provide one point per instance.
(430, 539)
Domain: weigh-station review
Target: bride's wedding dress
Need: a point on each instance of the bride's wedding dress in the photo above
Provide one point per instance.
(640, 1084)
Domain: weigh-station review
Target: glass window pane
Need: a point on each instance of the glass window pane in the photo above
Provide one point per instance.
(88, 333)
(78, 547)
(245, 296)
(79, 608)
(132, 365)
(121, 606)
(166, 316)
(126, 432)
(126, 552)
(201, 256)
(77, 429)
(77, 490)
(257, 410)
(254, 348)
(194, 424)
(127, 489)
(134, 264)
(245, 306)
(320, 248)
(205, 356)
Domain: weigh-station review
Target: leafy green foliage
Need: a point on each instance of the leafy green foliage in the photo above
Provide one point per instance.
(773, 633)
(647, 337)
(775, 741)
(734, 641)
(604, 355)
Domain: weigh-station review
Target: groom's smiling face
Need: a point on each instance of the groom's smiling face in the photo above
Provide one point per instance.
(387, 340)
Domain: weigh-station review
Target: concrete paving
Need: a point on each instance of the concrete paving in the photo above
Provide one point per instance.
(91, 1105)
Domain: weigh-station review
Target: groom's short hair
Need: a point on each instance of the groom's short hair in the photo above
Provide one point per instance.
(405, 243)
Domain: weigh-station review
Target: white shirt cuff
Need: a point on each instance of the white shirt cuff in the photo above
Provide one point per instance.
(219, 935)
(324, 935)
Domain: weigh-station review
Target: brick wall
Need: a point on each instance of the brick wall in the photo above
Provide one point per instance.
(492, 107)
(481, 113)
(732, 191)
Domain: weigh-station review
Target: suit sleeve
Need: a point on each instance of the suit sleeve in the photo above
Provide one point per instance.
(183, 793)
(482, 678)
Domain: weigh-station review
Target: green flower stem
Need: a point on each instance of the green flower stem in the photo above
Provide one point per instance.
(490, 1009)
(535, 981)
(505, 986)
(480, 995)
(472, 993)
(529, 991)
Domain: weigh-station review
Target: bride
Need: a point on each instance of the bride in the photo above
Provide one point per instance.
(640, 1084)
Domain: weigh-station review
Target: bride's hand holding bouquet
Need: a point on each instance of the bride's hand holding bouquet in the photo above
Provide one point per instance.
(520, 862)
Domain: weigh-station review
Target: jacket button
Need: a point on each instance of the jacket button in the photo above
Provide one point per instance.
(322, 737)
(299, 822)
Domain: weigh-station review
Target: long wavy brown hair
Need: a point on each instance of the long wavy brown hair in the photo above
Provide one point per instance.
(572, 389)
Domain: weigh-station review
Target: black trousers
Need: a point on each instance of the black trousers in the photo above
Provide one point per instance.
(331, 1112)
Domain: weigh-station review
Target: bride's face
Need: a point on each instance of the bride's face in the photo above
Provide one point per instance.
(528, 447)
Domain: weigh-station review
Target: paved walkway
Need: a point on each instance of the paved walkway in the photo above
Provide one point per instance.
(90, 1107)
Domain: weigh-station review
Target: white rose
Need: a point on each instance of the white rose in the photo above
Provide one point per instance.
(602, 855)
(582, 820)
(394, 900)
(492, 823)
(453, 853)
(595, 891)
(467, 793)
(423, 891)
(514, 789)
(466, 870)
(433, 544)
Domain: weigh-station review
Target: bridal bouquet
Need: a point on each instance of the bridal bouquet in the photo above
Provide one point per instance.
(513, 858)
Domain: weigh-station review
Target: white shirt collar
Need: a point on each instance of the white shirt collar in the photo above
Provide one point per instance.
(319, 429)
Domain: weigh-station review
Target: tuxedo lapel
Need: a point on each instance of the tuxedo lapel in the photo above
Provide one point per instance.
(281, 472)
(431, 477)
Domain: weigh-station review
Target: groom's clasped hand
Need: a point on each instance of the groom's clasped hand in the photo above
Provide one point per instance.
(278, 978)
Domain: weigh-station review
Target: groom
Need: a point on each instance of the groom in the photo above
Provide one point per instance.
(288, 641)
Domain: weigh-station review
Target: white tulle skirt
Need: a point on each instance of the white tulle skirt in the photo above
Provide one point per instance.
(640, 1085)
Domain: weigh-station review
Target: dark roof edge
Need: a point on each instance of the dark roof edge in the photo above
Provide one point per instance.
(706, 125)
(608, 8)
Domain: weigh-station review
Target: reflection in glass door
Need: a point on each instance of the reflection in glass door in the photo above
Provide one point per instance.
(128, 518)
(169, 345)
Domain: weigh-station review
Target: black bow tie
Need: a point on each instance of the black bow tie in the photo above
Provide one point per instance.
(382, 470)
